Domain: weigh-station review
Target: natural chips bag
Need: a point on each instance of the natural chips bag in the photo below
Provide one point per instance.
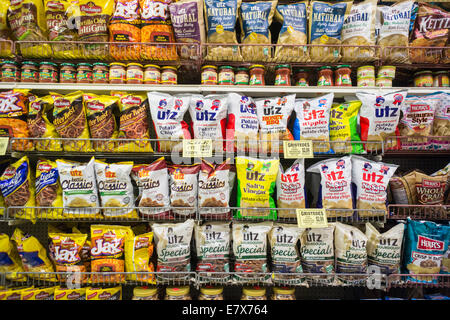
(48, 190)
(138, 255)
(256, 184)
(291, 192)
(10, 262)
(344, 127)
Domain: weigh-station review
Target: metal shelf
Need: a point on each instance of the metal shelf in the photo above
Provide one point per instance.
(419, 212)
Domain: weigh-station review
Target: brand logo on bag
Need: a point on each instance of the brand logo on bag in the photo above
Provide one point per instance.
(61, 103)
(90, 8)
(95, 105)
(55, 5)
(431, 184)
(246, 107)
(427, 23)
(427, 244)
(420, 107)
(76, 173)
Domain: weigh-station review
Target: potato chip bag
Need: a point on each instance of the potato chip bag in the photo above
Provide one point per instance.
(39, 293)
(17, 129)
(70, 294)
(344, 127)
(48, 190)
(183, 186)
(291, 192)
(114, 293)
(430, 190)
(10, 261)
(138, 254)
(441, 123)
(5, 48)
(403, 188)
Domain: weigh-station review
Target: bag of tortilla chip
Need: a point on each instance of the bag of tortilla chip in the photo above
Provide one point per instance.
(10, 261)
(48, 190)
(138, 255)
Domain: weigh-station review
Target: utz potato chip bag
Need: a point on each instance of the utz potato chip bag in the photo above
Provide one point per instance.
(183, 186)
(138, 254)
(291, 191)
(70, 294)
(344, 127)
(39, 293)
(48, 190)
(10, 261)
(114, 293)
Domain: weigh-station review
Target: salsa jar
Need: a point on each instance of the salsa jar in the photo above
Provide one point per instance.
(283, 294)
(241, 78)
(145, 293)
(343, 76)
(100, 72)
(257, 72)
(84, 73)
(423, 79)
(440, 79)
(365, 71)
(152, 74)
(301, 78)
(67, 73)
(211, 293)
(29, 72)
(386, 72)
(135, 73)
(181, 293)
(48, 72)
(209, 75)
(226, 75)
(383, 82)
(255, 293)
(325, 76)
(117, 73)
(283, 75)
(366, 82)
(169, 75)
(10, 71)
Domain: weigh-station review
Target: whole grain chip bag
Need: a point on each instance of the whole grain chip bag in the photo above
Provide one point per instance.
(430, 190)
(167, 116)
(79, 189)
(371, 180)
(173, 246)
(10, 261)
(313, 121)
(256, 181)
(256, 18)
(153, 184)
(209, 116)
(138, 254)
(335, 185)
(107, 252)
(384, 249)
(250, 249)
(183, 188)
(325, 26)
(101, 120)
(242, 124)
(273, 115)
(115, 189)
(291, 191)
(344, 127)
(48, 190)
(18, 189)
(379, 117)
(426, 243)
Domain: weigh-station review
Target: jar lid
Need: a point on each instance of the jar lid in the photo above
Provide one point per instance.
(30, 62)
(390, 67)
(226, 67)
(151, 66)
(280, 66)
(256, 66)
(422, 72)
(325, 67)
(43, 63)
(241, 69)
(100, 64)
(209, 67)
(211, 291)
(284, 290)
(117, 64)
(254, 292)
(170, 67)
(384, 78)
(84, 64)
(144, 291)
(67, 64)
(181, 291)
(10, 62)
(135, 64)
(366, 67)
(343, 66)
(301, 70)
(441, 72)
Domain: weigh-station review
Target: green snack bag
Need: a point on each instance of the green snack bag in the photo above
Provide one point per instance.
(344, 127)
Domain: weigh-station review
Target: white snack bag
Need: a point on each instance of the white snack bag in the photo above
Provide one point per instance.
(335, 185)
(167, 115)
(291, 189)
(183, 188)
(313, 121)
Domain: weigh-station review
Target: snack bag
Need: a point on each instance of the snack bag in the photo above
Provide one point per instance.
(371, 180)
(359, 30)
(242, 124)
(256, 181)
(48, 190)
(13, 294)
(115, 189)
(14, 103)
(403, 188)
(384, 249)
(335, 186)
(5, 48)
(79, 189)
(18, 189)
(255, 28)
(39, 293)
(10, 262)
(138, 253)
(107, 253)
(325, 26)
(70, 294)
(379, 117)
(18, 129)
(291, 191)
(292, 16)
(313, 121)
(441, 123)
(114, 293)
(101, 120)
(153, 184)
(167, 116)
(430, 189)
(183, 188)
(344, 127)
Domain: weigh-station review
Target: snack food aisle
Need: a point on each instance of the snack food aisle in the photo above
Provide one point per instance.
(195, 150)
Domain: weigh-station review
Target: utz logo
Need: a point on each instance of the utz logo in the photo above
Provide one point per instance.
(90, 8)
(162, 104)
(199, 105)
(178, 104)
(340, 164)
(178, 174)
(367, 166)
(427, 244)
(324, 168)
(386, 112)
(250, 166)
(205, 115)
(247, 107)
(379, 101)
(296, 167)
(384, 169)
(322, 102)
(215, 105)
(398, 99)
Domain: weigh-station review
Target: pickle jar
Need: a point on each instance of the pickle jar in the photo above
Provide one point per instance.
(29, 72)
(283, 293)
(211, 293)
(10, 71)
(100, 72)
(169, 75)
(209, 75)
(67, 73)
(177, 293)
(145, 293)
(226, 75)
(257, 73)
(241, 77)
(84, 73)
(254, 293)
(283, 75)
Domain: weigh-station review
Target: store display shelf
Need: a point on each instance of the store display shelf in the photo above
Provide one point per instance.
(417, 145)
(419, 212)
(418, 281)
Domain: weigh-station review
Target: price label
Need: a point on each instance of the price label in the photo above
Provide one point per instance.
(298, 149)
(4, 141)
(197, 148)
(312, 218)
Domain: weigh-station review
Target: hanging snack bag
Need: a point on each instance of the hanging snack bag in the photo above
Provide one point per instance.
(48, 190)
(313, 121)
(183, 188)
(344, 127)
(167, 116)
(62, 293)
(138, 255)
(291, 191)
(325, 26)
(113, 293)
(5, 48)
(430, 190)
(441, 123)
(335, 186)
(256, 181)
(10, 262)
(379, 117)
(403, 188)
(41, 293)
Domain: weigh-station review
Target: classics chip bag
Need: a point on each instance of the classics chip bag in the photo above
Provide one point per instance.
(48, 190)
(138, 254)
(344, 127)
(291, 189)
(10, 262)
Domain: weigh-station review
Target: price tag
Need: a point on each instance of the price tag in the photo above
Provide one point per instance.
(312, 218)
(197, 148)
(298, 149)
(4, 141)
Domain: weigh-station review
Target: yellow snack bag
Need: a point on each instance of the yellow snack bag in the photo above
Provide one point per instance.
(14, 293)
(114, 293)
(138, 252)
(10, 259)
(70, 294)
(344, 127)
(5, 48)
(39, 293)
(48, 190)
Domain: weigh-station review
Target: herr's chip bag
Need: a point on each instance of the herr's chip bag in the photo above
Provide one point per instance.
(430, 190)
(379, 117)
(10, 262)
(313, 121)
(48, 190)
(403, 188)
(291, 192)
(441, 124)
(256, 184)
(138, 255)
(183, 188)
(344, 127)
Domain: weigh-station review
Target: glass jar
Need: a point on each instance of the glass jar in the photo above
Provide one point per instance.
(283, 294)
(255, 293)
(67, 73)
(135, 73)
(181, 293)
(257, 75)
(366, 82)
(169, 75)
(226, 75)
(10, 71)
(441, 79)
(241, 77)
(365, 71)
(29, 72)
(423, 79)
(152, 74)
(84, 73)
(383, 82)
(283, 75)
(145, 293)
(100, 72)
(48, 72)
(325, 76)
(117, 73)
(211, 293)
(343, 76)
(386, 72)
(301, 78)
(209, 75)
